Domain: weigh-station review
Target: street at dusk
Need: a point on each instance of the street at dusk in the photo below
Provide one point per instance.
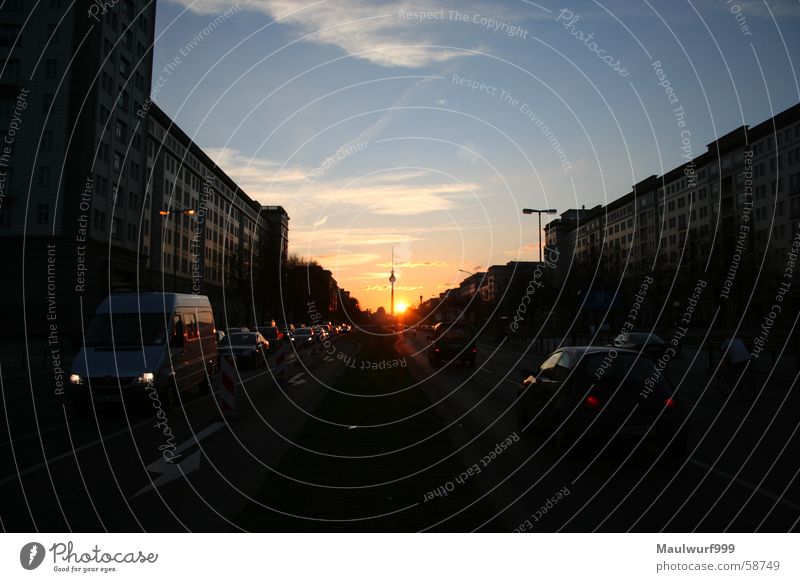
(277, 266)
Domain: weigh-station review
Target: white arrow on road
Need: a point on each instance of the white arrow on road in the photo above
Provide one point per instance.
(328, 359)
(297, 379)
(171, 471)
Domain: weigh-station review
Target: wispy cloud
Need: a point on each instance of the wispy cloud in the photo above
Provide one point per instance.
(398, 193)
(368, 30)
(779, 9)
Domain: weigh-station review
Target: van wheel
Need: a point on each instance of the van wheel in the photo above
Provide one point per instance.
(205, 385)
(170, 396)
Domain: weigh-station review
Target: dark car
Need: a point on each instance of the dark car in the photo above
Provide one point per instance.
(640, 341)
(303, 338)
(273, 335)
(594, 394)
(248, 349)
(452, 341)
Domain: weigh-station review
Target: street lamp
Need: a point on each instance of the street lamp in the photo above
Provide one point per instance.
(539, 212)
(165, 213)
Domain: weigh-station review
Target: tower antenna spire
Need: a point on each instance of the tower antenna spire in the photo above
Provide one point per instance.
(392, 279)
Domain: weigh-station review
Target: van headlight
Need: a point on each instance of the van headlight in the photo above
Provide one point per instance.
(145, 378)
(75, 379)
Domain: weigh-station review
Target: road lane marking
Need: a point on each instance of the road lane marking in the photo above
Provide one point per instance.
(297, 379)
(747, 484)
(170, 471)
(128, 429)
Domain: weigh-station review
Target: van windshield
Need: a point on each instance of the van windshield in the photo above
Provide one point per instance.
(129, 329)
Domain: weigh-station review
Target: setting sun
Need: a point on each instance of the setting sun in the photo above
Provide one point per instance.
(400, 307)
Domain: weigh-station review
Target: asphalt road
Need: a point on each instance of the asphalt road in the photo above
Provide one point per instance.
(104, 473)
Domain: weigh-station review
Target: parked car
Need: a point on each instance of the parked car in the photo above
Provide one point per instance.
(138, 343)
(303, 338)
(286, 329)
(248, 348)
(272, 334)
(646, 342)
(320, 334)
(237, 330)
(592, 394)
(452, 341)
(410, 331)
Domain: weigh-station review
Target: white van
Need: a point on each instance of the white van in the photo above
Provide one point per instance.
(143, 345)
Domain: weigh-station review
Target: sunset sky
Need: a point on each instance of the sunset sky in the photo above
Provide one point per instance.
(376, 128)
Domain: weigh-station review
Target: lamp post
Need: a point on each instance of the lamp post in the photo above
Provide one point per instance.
(539, 212)
(165, 213)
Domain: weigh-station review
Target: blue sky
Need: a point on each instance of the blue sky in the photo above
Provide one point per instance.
(377, 127)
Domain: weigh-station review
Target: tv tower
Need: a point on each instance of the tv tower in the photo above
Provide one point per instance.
(392, 279)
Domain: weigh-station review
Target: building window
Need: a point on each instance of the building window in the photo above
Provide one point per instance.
(42, 213)
(44, 177)
(50, 68)
(99, 220)
(124, 99)
(131, 232)
(116, 228)
(47, 103)
(124, 67)
(104, 113)
(10, 69)
(120, 130)
(105, 83)
(47, 140)
(9, 34)
(5, 218)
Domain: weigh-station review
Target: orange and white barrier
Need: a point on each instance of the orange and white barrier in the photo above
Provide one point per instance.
(284, 356)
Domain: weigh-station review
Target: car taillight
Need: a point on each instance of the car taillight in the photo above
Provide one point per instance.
(591, 401)
(670, 403)
(474, 350)
(437, 350)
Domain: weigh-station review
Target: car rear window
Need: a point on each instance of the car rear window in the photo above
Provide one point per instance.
(457, 332)
(633, 372)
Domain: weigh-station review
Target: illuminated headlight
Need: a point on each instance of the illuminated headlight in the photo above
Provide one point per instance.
(144, 378)
(75, 379)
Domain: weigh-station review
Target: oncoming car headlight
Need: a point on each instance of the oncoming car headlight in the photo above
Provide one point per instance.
(145, 378)
(75, 379)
